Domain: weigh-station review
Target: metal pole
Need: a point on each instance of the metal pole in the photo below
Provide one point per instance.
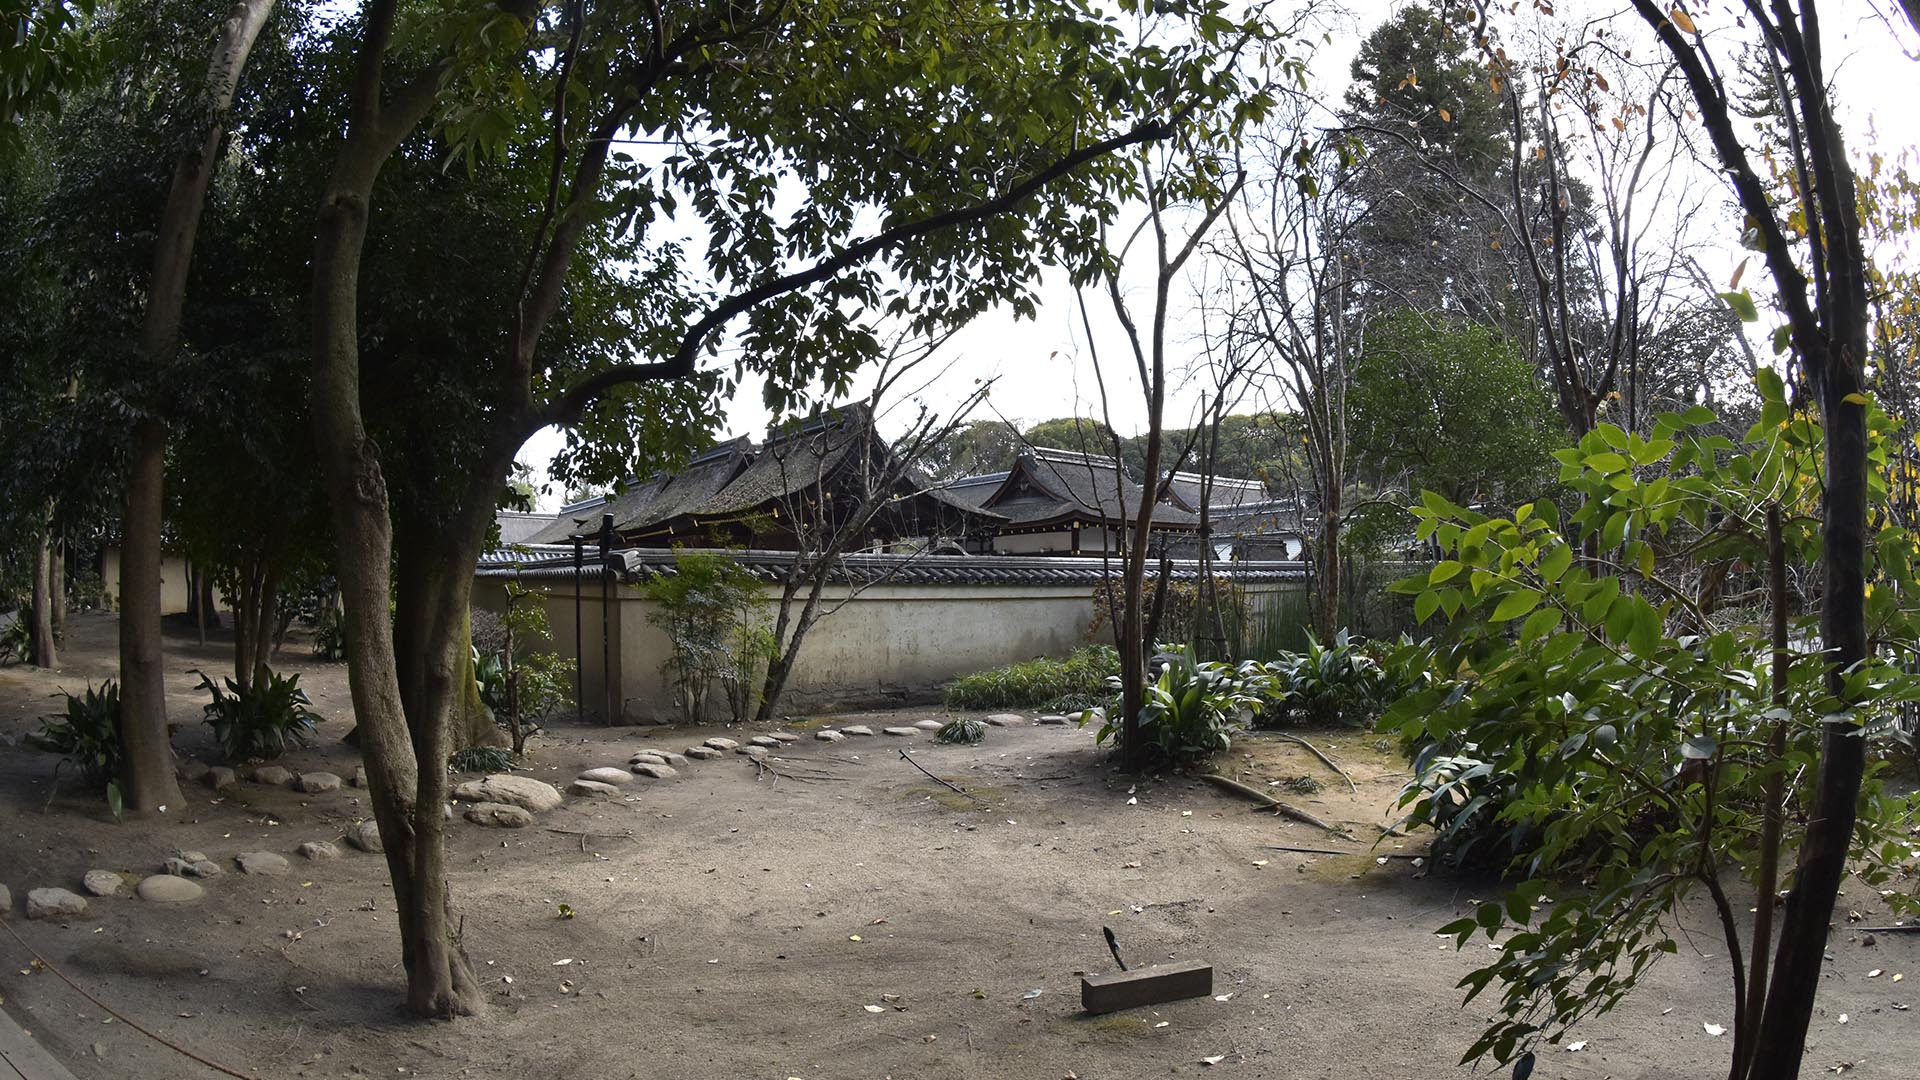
(579, 673)
(606, 615)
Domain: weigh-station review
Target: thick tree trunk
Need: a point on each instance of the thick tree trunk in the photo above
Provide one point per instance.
(41, 651)
(149, 781)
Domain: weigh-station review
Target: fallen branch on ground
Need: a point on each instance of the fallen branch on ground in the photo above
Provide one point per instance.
(1331, 851)
(1329, 762)
(909, 760)
(1265, 799)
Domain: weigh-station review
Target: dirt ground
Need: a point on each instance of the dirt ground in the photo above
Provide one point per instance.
(733, 924)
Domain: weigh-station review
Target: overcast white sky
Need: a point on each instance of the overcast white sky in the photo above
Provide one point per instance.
(1043, 367)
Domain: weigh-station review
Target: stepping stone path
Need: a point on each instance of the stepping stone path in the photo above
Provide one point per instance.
(1052, 718)
(929, 725)
(722, 744)
(534, 796)
(272, 775)
(764, 740)
(857, 729)
(1006, 719)
(827, 735)
(168, 889)
(319, 849)
(591, 787)
(220, 778)
(499, 815)
(366, 836)
(702, 753)
(903, 732)
(315, 783)
(757, 753)
(261, 863)
(657, 772)
(606, 775)
(783, 736)
(647, 759)
(103, 883)
(55, 904)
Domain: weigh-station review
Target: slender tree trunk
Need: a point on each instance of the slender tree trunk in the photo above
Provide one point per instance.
(473, 723)
(57, 585)
(149, 781)
(195, 577)
(41, 651)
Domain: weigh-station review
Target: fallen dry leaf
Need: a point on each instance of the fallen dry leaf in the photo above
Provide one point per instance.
(1576, 1047)
(1714, 1030)
(875, 1009)
(1214, 1060)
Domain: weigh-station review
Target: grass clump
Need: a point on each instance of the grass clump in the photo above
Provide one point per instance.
(482, 759)
(962, 730)
(1040, 683)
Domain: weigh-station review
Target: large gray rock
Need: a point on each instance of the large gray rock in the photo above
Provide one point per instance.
(365, 835)
(767, 741)
(591, 788)
(857, 729)
(783, 736)
(702, 753)
(928, 725)
(758, 753)
(6, 901)
(181, 866)
(220, 778)
(168, 889)
(316, 850)
(535, 796)
(647, 759)
(499, 815)
(1006, 719)
(902, 732)
(272, 775)
(1053, 719)
(606, 775)
(103, 883)
(192, 770)
(657, 772)
(261, 863)
(828, 735)
(719, 743)
(55, 904)
(315, 783)
(656, 751)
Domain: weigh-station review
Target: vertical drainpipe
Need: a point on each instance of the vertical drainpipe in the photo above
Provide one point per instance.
(606, 615)
(579, 672)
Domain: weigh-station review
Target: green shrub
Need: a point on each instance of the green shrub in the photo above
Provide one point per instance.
(1070, 685)
(713, 611)
(260, 721)
(88, 735)
(1333, 685)
(330, 635)
(963, 730)
(16, 641)
(482, 759)
(1192, 708)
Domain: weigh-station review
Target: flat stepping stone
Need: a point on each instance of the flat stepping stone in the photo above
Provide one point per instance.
(656, 751)
(591, 788)
(365, 835)
(103, 883)
(903, 732)
(647, 759)
(316, 850)
(608, 775)
(359, 776)
(657, 772)
(719, 743)
(1006, 719)
(1051, 718)
(534, 796)
(220, 778)
(929, 725)
(261, 863)
(783, 736)
(272, 775)
(495, 815)
(828, 735)
(857, 729)
(192, 770)
(755, 752)
(168, 889)
(316, 783)
(702, 753)
(55, 904)
(767, 741)
(200, 868)
(678, 761)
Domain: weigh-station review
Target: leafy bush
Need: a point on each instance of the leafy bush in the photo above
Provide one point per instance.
(712, 609)
(963, 730)
(1193, 707)
(16, 641)
(330, 635)
(88, 735)
(1333, 685)
(1070, 685)
(482, 759)
(260, 721)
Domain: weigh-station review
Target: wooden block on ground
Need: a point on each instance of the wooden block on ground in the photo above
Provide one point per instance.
(1145, 986)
